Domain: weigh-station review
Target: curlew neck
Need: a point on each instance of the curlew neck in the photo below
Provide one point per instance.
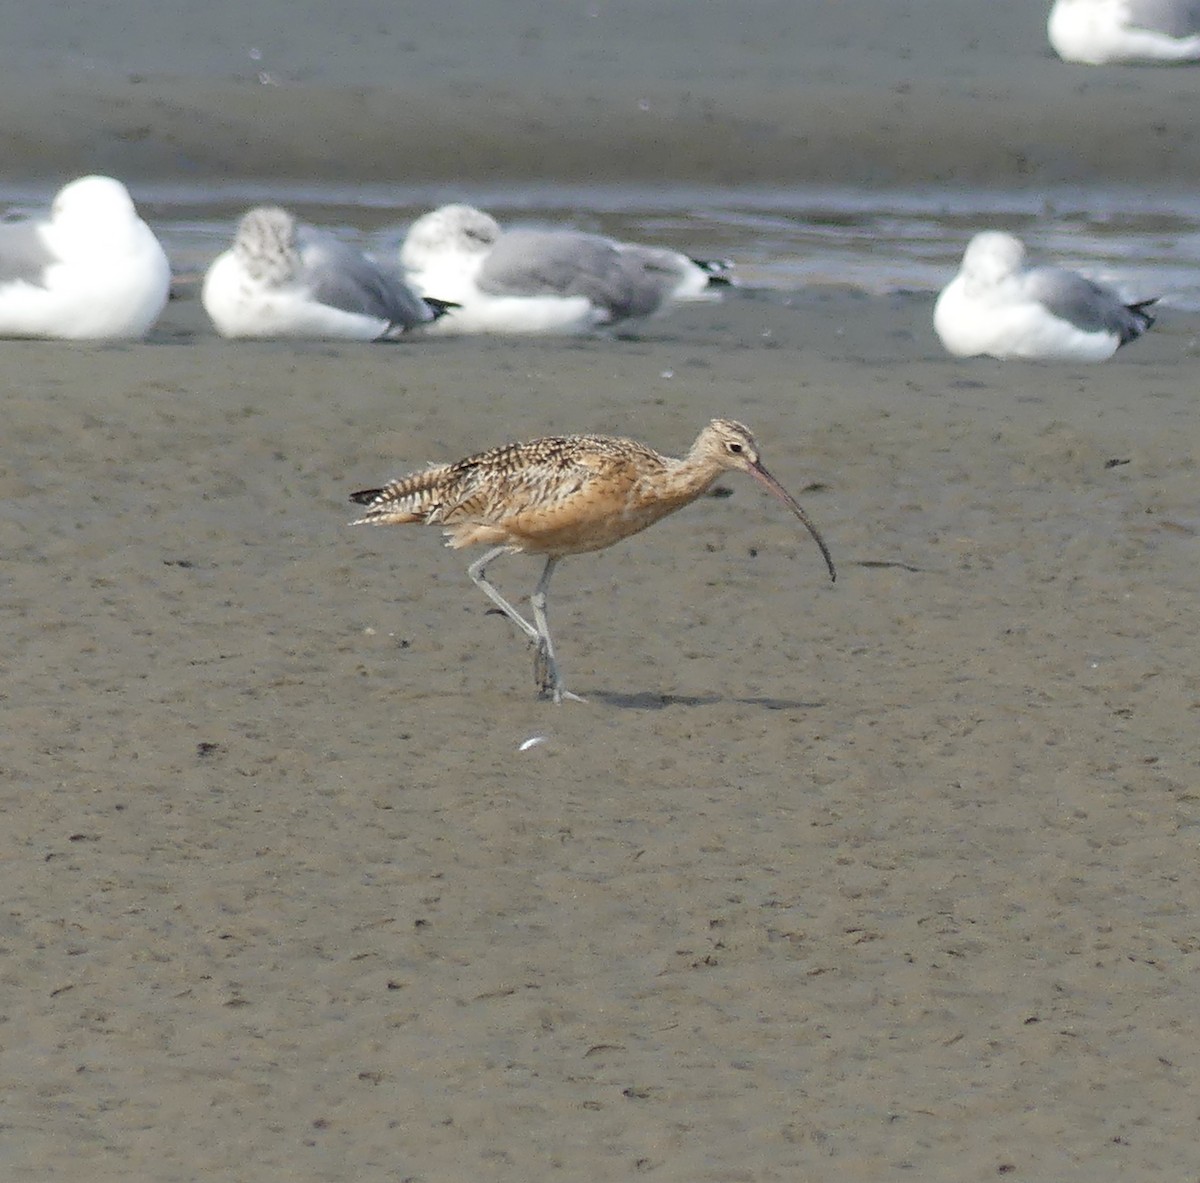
(689, 477)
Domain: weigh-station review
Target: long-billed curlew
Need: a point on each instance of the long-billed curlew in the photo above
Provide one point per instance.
(564, 495)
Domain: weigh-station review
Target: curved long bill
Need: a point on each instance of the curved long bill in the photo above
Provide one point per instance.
(765, 478)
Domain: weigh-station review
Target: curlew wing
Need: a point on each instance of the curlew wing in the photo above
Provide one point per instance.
(560, 494)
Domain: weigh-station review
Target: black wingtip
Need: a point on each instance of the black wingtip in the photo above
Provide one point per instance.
(365, 496)
(1143, 320)
(439, 308)
(717, 271)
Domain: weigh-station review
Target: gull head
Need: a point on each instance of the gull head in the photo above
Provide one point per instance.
(93, 200)
(265, 244)
(993, 256)
(451, 229)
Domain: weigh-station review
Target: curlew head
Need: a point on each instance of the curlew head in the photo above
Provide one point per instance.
(729, 446)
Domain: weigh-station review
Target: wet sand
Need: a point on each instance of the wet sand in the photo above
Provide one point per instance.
(645, 90)
(893, 878)
(887, 877)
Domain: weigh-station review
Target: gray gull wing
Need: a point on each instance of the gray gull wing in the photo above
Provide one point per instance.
(1175, 18)
(23, 254)
(1089, 306)
(342, 277)
(561, 263)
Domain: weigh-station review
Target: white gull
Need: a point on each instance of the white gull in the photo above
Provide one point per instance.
(285, 279)
(1095, 32)
(544, 281)
(89, 269)
(996, 305)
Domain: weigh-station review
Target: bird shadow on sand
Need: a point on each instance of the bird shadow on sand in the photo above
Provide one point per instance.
(648, 700)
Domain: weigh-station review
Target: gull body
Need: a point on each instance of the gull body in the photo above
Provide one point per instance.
(544, 281)
(89, 269)
(998, 306)
(1096, 32)
(282, 278)
(564, 495)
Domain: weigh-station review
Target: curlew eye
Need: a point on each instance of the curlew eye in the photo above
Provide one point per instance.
(736, 449)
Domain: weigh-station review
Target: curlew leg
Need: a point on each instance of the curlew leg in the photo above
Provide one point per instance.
(476, 572)
(545, 668)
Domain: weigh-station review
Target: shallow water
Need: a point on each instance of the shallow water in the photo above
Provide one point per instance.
(1146, 244)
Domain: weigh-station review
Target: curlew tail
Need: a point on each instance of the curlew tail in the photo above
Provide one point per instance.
(420, 497)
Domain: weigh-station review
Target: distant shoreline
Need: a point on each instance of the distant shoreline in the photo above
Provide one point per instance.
(187, 129)
(932, 92)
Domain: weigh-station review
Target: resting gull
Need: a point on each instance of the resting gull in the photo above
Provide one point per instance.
(544, 281)
(285, 279)
(89, 269)
(996, 305)
(1147, 31)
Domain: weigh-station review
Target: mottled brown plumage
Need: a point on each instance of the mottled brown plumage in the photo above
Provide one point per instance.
(564, 495)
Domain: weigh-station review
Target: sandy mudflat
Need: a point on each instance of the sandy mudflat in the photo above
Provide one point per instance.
(893, 878)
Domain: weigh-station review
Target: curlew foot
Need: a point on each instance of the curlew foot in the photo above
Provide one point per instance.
(560, 694)
(545, 674)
